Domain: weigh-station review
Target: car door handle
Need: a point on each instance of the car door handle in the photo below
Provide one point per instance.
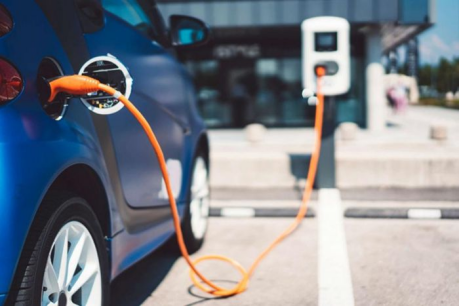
(91, 14)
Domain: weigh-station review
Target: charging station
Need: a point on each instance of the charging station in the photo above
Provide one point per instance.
(326, 43)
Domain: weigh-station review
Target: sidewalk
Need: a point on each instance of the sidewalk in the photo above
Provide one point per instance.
(402, 156)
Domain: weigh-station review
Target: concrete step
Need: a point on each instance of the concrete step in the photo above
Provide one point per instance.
(251, 170)
(401, 156)
(398, 169)
(355, 169)
(383, 197)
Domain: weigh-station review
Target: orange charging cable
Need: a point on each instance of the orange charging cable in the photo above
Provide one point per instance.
(80, 85)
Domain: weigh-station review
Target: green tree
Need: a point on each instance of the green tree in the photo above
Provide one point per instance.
(445, 76)
(425, 75)
(455, 64)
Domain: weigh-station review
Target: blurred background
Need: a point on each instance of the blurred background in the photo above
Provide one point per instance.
(251, 73)
(258, 43)
(395, 152)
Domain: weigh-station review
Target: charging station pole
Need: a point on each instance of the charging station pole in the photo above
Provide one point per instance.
(326, 171)
(326, 43)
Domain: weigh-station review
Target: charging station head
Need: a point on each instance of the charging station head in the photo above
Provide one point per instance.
(326, 43)
(110, 71)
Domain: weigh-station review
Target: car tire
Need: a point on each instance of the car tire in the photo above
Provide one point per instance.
(64, 257)
(195, 220)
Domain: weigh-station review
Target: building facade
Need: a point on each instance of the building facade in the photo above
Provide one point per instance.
(251, 71)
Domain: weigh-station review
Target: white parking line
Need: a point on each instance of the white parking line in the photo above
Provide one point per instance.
(237, 212)
(424, 213)
(335, 282)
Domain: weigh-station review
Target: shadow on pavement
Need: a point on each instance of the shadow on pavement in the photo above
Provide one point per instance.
(136, 284)
(204, 299)
(299, 165)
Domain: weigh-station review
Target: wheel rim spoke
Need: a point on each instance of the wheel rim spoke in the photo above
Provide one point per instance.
(205, 208)
(60, 257)
(73, 267)
(202, 193)
(82, 278)
(199, 205)
(195, 214)
(50, 279)
(75, 258)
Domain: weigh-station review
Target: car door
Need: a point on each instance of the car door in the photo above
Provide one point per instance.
(159, 93)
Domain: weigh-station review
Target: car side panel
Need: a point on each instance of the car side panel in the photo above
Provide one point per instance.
(159, 93)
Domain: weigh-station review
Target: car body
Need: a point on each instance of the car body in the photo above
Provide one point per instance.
(106, 160)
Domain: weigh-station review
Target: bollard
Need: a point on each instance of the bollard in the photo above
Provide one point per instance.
(438, 132)
(255, 132)
(348, 131)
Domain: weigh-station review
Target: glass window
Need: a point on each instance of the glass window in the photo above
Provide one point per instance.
(235, 92)
(278, 101)
(212, 103)
(266, 67)
(130, 11)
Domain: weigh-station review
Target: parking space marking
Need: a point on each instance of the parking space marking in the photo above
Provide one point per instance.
(257, 212)
(403, 213)
(424, 213)
(237, 212)
(335, 282)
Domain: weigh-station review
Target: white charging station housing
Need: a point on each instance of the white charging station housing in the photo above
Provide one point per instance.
(326, 41)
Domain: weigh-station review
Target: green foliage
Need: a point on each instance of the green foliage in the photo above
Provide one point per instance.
(444, 77)
(439, 102)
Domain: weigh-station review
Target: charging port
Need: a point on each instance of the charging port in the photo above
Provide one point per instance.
(50, 69)
(108, 70)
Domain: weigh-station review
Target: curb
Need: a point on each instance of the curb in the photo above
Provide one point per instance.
(402, 213)
(249, 212)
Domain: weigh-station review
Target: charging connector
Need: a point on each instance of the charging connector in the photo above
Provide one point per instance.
(77, 85)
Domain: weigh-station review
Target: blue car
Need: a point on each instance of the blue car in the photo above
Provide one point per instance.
(82, 196)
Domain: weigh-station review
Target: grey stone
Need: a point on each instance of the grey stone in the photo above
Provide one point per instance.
(438, 132)
(348, 131)
(255, 132)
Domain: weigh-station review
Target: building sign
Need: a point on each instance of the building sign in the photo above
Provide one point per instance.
(234, 51)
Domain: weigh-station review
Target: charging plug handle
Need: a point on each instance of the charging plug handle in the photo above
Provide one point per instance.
(77, 85)
(320, 70)
(331, 67)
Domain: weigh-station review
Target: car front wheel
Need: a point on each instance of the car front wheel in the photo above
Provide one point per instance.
(197, 214)
(64, 261)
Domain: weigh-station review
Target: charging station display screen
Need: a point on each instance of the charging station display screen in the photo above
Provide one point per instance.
(326, 42)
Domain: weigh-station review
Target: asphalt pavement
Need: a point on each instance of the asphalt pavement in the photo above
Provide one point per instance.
(286, 277)
(404, 262)
(392, 261)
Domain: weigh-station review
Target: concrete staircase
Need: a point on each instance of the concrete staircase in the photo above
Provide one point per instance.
(402, 156)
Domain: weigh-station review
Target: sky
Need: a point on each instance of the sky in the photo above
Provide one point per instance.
(442, 39)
